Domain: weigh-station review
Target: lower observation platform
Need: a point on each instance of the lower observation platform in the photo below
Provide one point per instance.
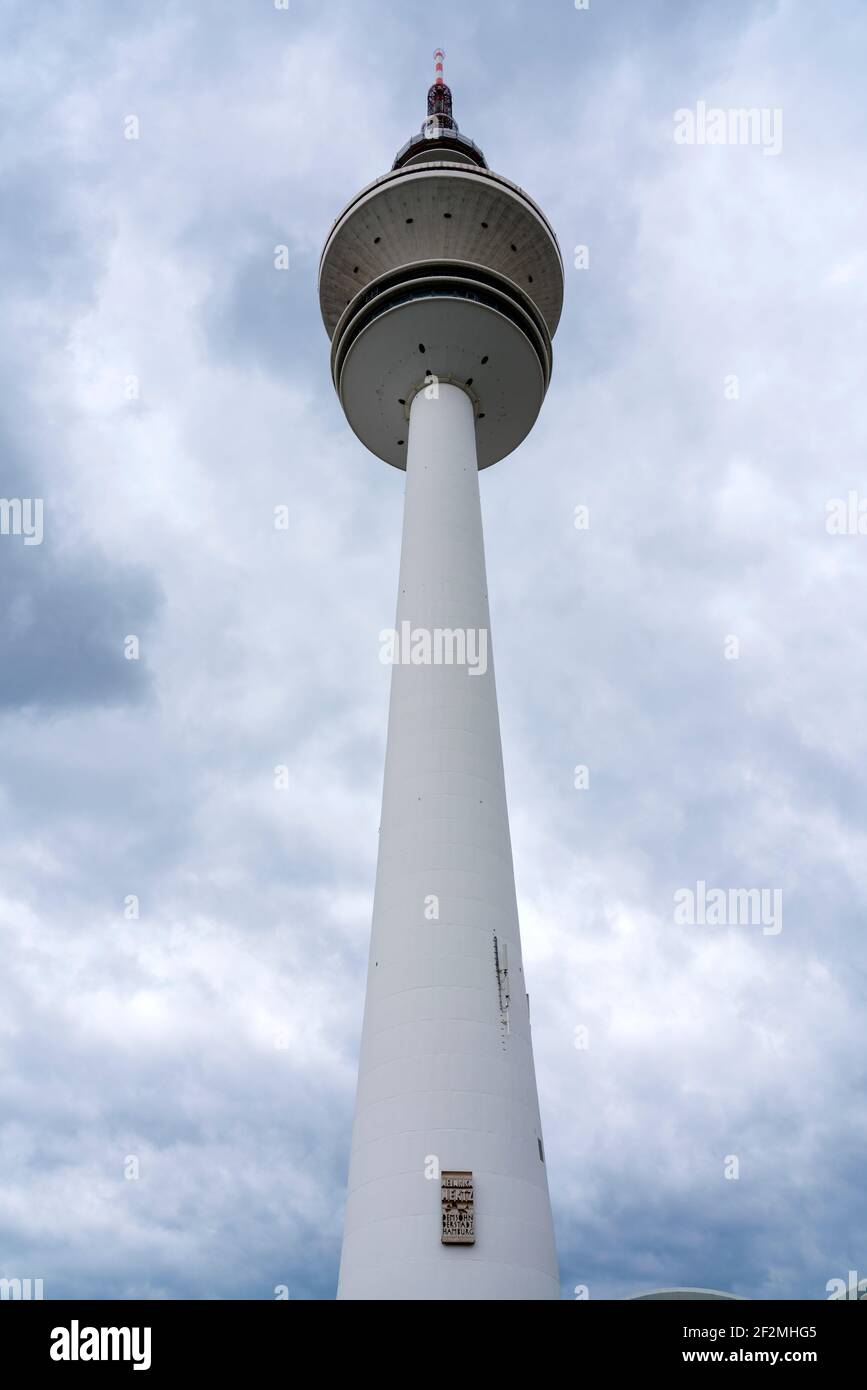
(434, 324)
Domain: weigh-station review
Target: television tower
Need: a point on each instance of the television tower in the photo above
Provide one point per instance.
(441, 286)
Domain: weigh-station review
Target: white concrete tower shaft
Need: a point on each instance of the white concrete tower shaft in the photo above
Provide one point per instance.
(441, 286)
(446, 1078)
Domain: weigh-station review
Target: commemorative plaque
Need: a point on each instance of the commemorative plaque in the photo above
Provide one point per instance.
(457, 1202)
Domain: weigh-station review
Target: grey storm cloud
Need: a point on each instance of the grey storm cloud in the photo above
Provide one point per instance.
(213, 1036)
(64, 630)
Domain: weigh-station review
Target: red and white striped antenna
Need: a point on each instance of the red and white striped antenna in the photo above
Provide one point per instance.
(439, 100)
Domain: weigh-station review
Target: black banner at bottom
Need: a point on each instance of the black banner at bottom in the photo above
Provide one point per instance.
(158, 1339)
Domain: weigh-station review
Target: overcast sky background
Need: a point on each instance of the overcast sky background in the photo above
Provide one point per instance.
(155, 258)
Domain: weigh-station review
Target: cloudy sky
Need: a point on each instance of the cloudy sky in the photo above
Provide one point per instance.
(165, 387)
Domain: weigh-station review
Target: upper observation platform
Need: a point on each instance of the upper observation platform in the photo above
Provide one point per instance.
(441, 268)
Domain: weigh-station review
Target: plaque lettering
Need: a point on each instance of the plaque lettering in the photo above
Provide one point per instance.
(458, 1213)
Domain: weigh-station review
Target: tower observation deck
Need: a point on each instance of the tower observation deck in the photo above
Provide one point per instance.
(441, 286)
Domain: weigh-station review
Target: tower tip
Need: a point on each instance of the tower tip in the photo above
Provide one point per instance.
(440, 127)
(439, 98)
